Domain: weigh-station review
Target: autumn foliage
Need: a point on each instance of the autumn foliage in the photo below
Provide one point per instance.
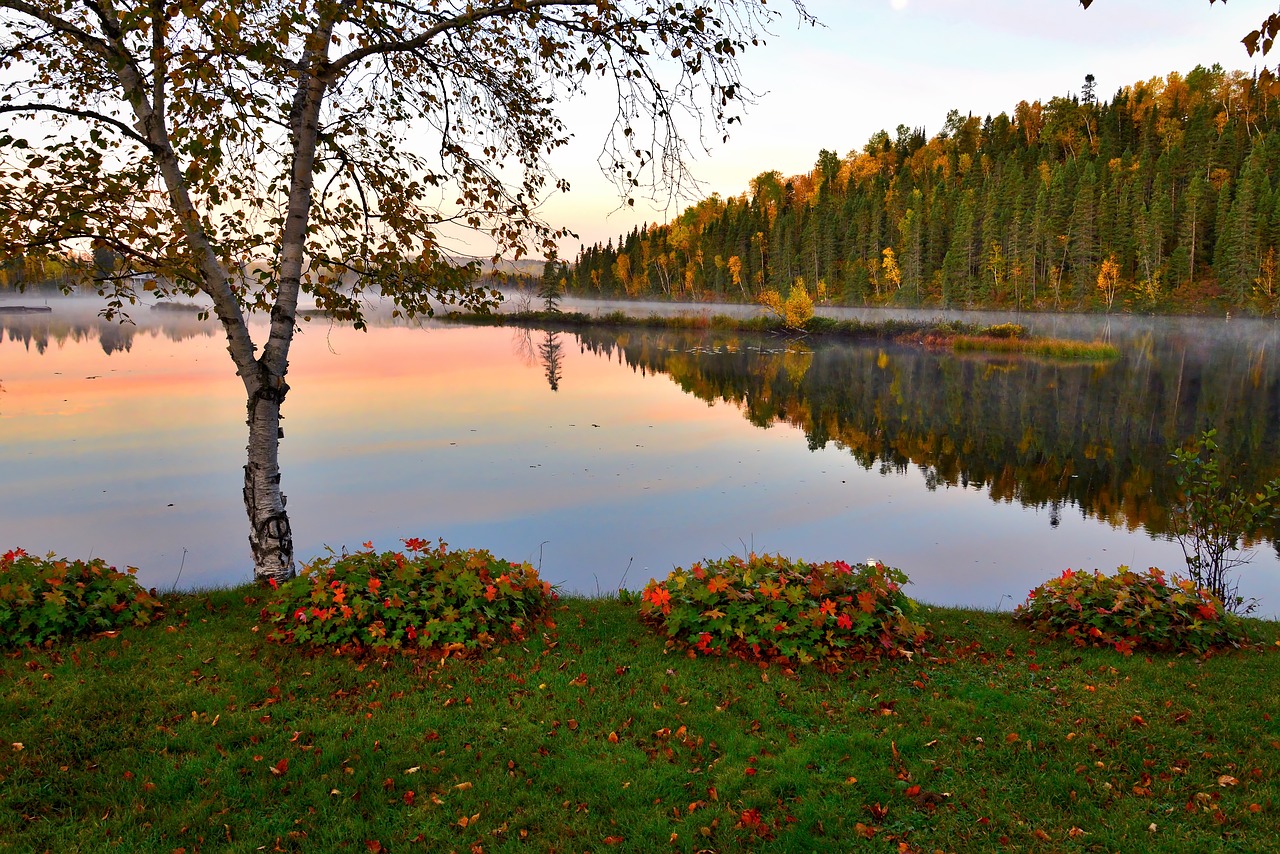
(1130, 610)
(429, 598)
(47, 598)
(767, 606)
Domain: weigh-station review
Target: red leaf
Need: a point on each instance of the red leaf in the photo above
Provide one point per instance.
(280, 767)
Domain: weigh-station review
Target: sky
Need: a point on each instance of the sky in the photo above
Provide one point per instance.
(875, 64)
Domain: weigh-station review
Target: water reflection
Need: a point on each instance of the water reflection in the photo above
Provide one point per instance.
(552, 359)
(1039, 433)
(980, 476)
(77, 320)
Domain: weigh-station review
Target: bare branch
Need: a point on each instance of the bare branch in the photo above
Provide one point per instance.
(87, 115)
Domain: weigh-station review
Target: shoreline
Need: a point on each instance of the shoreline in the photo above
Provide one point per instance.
(954, 335)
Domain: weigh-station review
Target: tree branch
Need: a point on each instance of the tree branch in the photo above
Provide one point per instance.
(88, 115)
(335, 68)
(87, 39)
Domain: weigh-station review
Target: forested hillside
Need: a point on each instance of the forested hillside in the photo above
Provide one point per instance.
(1165, 198)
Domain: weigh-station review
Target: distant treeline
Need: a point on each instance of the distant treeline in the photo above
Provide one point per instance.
(1165, 198)
(42, 272)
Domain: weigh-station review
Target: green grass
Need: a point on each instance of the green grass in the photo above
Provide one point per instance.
(595, 735)
(1049, 348)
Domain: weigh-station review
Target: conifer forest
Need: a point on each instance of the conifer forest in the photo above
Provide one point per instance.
(1163, 199)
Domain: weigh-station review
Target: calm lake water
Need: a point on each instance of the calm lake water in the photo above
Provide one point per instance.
(609, 456)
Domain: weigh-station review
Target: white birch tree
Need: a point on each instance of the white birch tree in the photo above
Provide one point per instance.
(256, 150)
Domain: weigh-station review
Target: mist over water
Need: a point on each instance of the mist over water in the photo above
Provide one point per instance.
(608, 453)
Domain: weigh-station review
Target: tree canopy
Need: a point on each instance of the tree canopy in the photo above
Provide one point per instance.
(256, 150)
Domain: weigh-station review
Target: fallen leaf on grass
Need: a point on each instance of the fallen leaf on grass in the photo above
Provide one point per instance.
(280, 767)
(613, 840)
(464, 821)
(1227, 780)
(463, 786)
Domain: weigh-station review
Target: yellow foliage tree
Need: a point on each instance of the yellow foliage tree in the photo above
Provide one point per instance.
(795, 311)
(892, 273)
(1109, 280)
(735, 273)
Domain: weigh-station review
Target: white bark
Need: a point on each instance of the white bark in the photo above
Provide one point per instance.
(270, 535)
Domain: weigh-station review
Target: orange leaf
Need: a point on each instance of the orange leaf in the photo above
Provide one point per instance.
(613, 738)
(1011, 737)
(280, 767)
(613, 840)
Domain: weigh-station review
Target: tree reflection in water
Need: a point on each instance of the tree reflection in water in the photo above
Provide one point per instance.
(1040, 433)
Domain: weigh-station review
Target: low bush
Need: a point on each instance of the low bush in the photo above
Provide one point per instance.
(768, 606)
(1005, 330)
(1131, 610)
(47, 598)
(430, 598)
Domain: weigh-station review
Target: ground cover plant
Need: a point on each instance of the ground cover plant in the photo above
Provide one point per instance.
(767, 605)
(193, 733)
(1131, 610)
(430, 597)
(46, 598)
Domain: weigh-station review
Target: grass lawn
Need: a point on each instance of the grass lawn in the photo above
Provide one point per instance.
(196, 735)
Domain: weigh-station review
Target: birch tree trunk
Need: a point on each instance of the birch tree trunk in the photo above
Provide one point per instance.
(270, 535)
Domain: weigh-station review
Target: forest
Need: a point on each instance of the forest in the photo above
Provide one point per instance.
(1163, 199)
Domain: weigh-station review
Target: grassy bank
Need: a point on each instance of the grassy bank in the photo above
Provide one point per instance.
(194, 734)
(950, 334)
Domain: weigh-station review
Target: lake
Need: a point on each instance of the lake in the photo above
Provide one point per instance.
(609, 456)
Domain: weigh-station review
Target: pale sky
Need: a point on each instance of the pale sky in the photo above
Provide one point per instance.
(880, 63)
